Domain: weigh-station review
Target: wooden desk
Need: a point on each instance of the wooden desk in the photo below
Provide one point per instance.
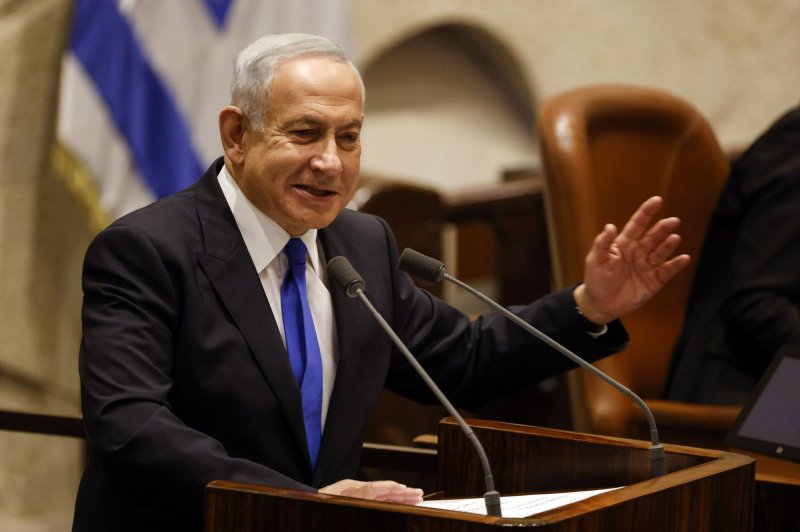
(702, 490)
(777, 490)
(777, 496)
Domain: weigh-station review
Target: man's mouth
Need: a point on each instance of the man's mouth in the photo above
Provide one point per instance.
(315, 191)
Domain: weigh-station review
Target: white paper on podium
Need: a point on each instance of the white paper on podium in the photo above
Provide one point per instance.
(516, 505)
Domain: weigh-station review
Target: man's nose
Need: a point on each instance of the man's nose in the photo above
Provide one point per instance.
(327, 160)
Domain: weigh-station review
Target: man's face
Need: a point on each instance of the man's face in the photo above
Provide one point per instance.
(303, 170)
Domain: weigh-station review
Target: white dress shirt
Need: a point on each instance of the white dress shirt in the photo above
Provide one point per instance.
(265, 241)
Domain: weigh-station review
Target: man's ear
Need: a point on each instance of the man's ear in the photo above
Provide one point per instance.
(232, 129)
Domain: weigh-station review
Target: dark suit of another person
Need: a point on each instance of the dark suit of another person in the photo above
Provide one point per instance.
(185, 378)
(745, 302)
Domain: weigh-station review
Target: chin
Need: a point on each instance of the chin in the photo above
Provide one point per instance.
(323, 223)
(317, 222)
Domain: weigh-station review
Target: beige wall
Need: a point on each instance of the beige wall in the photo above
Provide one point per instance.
(735, 59)
(42, 235)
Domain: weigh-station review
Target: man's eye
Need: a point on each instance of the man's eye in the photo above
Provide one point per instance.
(304, 133)
(350, 137)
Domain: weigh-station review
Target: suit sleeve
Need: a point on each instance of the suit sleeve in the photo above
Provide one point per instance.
(475, 361)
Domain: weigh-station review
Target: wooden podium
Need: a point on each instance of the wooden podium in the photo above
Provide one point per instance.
(703, 490)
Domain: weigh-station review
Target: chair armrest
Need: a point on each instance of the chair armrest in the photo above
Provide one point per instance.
(701, 417)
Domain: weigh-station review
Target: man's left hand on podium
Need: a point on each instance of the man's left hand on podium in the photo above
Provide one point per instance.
(379, 490)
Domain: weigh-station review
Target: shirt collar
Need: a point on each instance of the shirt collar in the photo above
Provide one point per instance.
(262, 235)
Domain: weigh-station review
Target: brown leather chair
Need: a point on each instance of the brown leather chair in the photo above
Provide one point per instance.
(605, 149)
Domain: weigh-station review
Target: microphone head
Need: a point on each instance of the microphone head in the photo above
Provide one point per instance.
(345, 276)
(422, 266)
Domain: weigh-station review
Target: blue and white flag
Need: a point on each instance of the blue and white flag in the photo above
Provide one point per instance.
(142, 85)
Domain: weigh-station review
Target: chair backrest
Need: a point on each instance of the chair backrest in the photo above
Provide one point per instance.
(416, 215)
(605, 149)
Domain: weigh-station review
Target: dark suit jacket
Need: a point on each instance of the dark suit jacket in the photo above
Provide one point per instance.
(745, 301)
(185, 378)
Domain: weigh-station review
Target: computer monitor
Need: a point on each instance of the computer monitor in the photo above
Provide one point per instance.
(770, 421)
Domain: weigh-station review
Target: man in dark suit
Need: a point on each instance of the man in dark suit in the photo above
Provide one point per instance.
(184, 368)
(745, 300)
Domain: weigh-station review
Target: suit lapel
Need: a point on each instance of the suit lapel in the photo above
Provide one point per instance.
(352, 319)
(229, 269)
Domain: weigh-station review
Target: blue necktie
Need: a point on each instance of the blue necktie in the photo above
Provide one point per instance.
(302, 344)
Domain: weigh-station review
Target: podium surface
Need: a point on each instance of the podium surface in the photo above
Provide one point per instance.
(703, 490)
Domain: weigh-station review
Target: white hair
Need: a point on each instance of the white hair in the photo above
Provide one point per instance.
(255, 66)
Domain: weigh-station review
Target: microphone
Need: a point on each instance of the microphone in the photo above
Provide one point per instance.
(347, 279)
(430, 269)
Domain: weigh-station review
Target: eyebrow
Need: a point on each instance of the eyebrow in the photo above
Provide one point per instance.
(353, 123)
(312, 120)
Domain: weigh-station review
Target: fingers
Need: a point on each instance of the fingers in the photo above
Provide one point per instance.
(380, 490)
(667, 270)
(656, 244)
(638, 223)
(393, 492)
(602, 244)
(660, 242)
(663, 250)
(606, 237)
